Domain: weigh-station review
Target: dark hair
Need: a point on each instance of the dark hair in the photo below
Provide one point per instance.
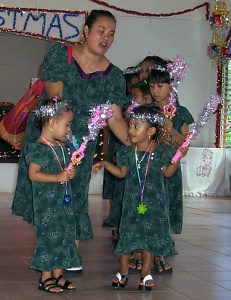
(150, 111)
(49, 108)
(129, 76)
(145, 90)
(95, 14)
(162, 134)
(154, 60)
(159, 75)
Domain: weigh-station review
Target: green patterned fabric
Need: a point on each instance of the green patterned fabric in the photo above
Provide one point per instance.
(83, 92)
(149, 231)
(54, 221)
(174, 184)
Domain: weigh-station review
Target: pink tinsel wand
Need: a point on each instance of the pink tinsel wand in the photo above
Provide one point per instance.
(208, 110)
(99, 115)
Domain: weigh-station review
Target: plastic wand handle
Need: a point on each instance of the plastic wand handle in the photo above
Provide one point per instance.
(178, 154)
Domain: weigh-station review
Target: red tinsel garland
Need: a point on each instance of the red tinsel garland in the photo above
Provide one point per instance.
(133, 12)
(218, 112)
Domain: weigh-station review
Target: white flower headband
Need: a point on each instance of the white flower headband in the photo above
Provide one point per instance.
(176, 69)
(144, 117)
(49, 110)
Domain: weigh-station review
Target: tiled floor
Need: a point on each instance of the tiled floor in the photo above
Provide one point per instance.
(202, 270)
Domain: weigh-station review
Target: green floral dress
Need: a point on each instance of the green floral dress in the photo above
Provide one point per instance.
(149, 231)
(83, 92)
(117, 191)
(174, 186)
(108, 177)
(54, 221)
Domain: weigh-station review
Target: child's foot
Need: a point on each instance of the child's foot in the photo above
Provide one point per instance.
(48, 285)
(161, 266)
(63, 283)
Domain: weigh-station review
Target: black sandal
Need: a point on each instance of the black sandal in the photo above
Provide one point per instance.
(160, 267)
(66, 284)
(135, 265)
(120, 283)
(46, 287)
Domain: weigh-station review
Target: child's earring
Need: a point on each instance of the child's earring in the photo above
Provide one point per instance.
(149, 137)
(51, 130)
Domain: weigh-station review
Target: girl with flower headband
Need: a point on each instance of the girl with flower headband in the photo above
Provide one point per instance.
(144, 221)
(54, 220)
(163, 81)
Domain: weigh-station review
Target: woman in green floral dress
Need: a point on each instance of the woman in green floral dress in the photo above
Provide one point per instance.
(86, 81)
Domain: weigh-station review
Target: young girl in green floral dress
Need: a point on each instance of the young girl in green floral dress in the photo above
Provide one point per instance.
(144, 221)
(160, 84)
(48, 159)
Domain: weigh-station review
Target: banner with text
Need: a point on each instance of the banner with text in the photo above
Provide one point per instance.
(63, 26)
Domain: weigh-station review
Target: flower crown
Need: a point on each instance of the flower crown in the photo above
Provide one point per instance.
(176, 69)
(49, 110)
(144, 117)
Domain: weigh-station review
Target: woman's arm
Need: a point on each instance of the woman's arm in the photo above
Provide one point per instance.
(118, 124)
(54, 89)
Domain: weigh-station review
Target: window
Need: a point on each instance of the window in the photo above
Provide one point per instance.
(225, 116)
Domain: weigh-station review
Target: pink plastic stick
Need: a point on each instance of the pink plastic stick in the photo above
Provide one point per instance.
(77, 156)
(178, 154)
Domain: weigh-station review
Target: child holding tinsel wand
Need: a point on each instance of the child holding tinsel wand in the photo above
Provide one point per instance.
(163, 82)
(48, 159)
(144, 221)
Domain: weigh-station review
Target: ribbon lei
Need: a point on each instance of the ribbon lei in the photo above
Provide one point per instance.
(99, 115)
(208, 110)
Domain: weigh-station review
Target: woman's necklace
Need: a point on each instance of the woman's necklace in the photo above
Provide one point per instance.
(67, 198)
(142, 208)
(90, 69)
(142, 158)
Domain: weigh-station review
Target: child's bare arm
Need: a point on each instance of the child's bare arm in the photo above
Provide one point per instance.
(119, 172)
(36, 175)
(169, 170)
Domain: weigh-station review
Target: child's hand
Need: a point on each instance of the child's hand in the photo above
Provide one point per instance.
(169, 125)
(97, 167)
(63, 176)
(71, 172)
(183, 151)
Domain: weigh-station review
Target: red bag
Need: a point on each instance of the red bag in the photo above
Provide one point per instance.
(12, 126)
